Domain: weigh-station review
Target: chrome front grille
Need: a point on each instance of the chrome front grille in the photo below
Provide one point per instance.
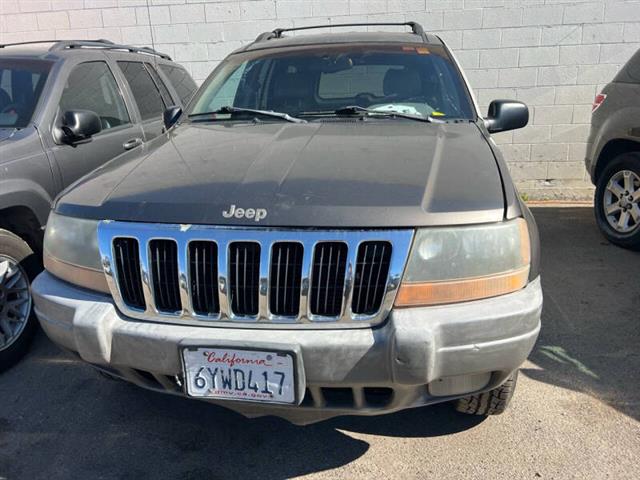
(191, 274)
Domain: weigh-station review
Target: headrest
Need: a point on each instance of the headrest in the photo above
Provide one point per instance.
(404, 83)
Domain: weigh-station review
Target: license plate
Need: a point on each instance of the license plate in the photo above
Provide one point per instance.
(250, 375)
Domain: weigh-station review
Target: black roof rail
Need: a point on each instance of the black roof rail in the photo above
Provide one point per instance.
(99, 43)
(416, 28)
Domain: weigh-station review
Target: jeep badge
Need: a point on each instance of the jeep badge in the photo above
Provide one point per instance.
(256, 213)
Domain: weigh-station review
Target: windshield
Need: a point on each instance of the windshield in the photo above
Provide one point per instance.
(21, 82)
(412, 79)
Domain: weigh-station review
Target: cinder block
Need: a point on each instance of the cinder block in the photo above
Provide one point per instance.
(21, 22)
(483, 78)
(622, 12)
(559, 75)
(577, 152)
(366, 7)
(171, 33)
(551, 115)
(191, 52)
(539, 56)
(463, 20)
(468, 58)
(521, 37)
(119, 17)
(290, 9)
(329, 7)
(566, 170)
(579, 54)
(518, 77)
(53, 20)
(139, 34)
(532, 134)
(549, 152)
(476, 39)
(501, 17)
(632, 32)
(561, 35)
(85, 19)
(618, 52)
(584, 13)
(537, 95)
(516, 153)
(502, 58)
(528, 170)
(596, 74)
(187, 13)
(575, 94)
(218, 51)
(205, 32)
(569, 133)
(603, 33)
(258, 10)
(542, 15)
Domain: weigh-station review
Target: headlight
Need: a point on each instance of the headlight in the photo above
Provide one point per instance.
(71, 251)
(459, 264)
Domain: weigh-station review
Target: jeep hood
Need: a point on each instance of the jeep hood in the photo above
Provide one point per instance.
(373, 173)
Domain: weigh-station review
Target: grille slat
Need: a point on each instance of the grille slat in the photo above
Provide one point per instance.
(327, 278)
(244, 277)
(372, 269)
(285, 279)
(128, 270)
(203, 271)
(164, 273)
(314, 278)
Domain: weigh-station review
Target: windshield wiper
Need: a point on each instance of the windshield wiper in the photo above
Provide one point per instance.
(266, 113)
(355, 109)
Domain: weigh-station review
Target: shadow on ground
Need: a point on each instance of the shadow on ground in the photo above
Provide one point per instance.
(590, 337)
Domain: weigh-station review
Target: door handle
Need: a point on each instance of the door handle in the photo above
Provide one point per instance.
(133, 143)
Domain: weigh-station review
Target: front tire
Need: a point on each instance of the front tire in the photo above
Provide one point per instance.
(18, 267)
(493, 402)
(617, 201)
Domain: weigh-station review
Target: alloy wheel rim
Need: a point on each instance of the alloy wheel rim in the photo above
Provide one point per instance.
(621, 201)
(15, 301)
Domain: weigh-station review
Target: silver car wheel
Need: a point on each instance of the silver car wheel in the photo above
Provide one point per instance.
(15, 301)
(621, 201)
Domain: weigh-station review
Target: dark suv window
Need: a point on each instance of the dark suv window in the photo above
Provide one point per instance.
(144, 90)
(92, 86)
(414, 79)
(181, 81)
(21, 82)
(164, 91)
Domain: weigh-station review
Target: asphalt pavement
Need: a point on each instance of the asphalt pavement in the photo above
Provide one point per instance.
(575, 414)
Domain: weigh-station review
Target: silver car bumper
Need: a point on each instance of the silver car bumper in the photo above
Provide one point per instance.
(419, 356)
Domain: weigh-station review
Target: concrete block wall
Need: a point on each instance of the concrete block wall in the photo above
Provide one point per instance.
(552, 54)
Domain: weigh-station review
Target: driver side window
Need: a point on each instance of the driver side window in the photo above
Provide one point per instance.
(92, 86)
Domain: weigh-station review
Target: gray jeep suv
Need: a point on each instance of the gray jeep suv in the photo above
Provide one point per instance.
(66, 107)
(329, 229)
(613, 156)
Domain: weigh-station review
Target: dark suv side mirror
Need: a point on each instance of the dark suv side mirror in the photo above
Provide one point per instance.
(171, 116)
(506, 115)
(79, 125)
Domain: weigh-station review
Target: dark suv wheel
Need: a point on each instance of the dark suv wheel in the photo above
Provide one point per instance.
(18, 266)
(617, 202)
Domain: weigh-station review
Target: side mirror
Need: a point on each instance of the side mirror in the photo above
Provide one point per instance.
(171, 116)
(506, 115)
(79, 125)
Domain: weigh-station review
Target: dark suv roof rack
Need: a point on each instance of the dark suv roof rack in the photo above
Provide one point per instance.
(416, 28)
(100, 43)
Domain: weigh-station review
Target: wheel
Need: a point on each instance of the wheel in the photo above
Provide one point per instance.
(493, 402)
(18, 267)
(617, 202)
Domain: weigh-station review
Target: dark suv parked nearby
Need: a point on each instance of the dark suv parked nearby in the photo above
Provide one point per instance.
(613, 156)
(66, 108)
(328, 230)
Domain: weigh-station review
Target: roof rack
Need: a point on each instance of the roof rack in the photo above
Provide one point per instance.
(100, 43)
(416, 28)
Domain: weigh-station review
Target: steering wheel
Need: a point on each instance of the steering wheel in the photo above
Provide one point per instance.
(14, 106)
(364, 99)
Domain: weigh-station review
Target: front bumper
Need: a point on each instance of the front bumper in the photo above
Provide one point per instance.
(419, 356)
